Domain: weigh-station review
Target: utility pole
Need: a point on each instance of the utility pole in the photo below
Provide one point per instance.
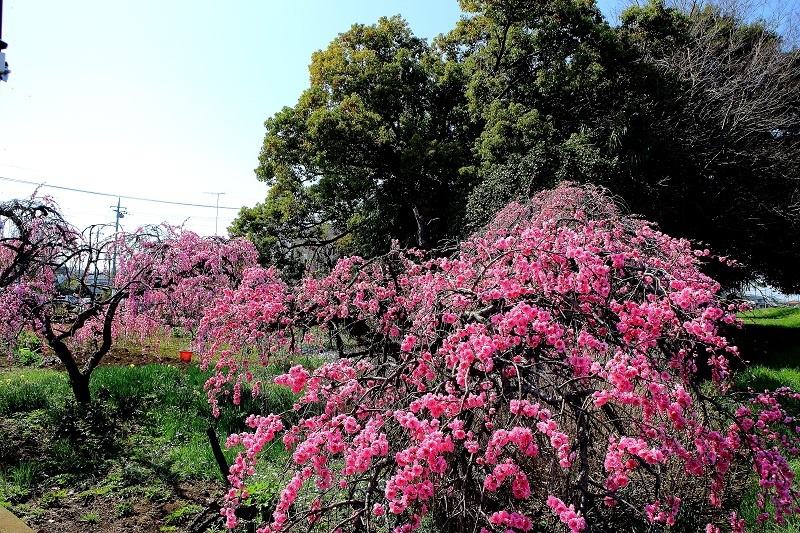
(216, 218)
(120, 213)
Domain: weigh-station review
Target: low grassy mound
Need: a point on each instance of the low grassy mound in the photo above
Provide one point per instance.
(770, 337)
(777, 317)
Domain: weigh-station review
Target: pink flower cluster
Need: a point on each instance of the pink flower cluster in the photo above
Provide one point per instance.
(622, 457)
(566, 514)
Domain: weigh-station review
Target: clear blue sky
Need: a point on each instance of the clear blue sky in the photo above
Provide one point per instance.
(163, 99)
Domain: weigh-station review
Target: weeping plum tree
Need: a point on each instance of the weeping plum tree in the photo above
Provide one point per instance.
(29, 259)
(81, 293)
(546, 377)
(26, 227)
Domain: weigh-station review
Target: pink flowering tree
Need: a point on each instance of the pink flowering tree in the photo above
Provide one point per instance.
(544, 377)
(26, 229)
(30, 241)
(171, 276)
(81, 293)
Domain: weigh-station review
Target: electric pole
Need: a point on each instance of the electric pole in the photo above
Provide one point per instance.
(120, 213)
(216, 218)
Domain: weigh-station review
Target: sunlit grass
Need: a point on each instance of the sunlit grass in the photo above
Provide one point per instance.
(26, 390)
(779, 317)
(160, 414)
(761, 378)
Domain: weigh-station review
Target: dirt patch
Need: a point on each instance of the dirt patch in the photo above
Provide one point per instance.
(185, 507)
(115, 357)
(127, 357)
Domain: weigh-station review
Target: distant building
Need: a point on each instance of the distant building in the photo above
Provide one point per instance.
(766, 296)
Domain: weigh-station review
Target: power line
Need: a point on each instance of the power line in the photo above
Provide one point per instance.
(116, 195)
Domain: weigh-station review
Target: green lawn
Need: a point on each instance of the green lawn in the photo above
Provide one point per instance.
(778, 317)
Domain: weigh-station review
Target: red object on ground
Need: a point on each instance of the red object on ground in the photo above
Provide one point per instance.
(186, 355)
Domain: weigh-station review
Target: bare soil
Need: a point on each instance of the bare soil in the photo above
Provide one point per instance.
(114, 513)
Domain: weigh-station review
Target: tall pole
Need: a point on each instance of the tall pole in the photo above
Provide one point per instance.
(120, 213)
(216, 218)
(116, 223)
(3, 64)
(2, 44)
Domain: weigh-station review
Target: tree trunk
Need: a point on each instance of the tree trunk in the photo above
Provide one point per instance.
(423, 239)
(80, 388)
(79, 381)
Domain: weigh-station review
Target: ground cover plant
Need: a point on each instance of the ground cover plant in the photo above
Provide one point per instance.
(567, 366)
(139, 459)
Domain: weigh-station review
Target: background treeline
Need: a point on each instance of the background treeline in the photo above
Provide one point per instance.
(688, 113)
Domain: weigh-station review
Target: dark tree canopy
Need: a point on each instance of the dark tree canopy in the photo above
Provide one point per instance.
(543, 83)
(720, 149)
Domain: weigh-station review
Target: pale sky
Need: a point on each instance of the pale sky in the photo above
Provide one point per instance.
(163, 99)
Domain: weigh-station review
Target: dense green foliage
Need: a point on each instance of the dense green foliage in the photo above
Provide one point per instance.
(689, 116)
(375, 143)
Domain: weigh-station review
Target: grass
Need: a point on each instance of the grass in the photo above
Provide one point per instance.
(143, 436)
(770, 337)
(26, 390)
(182, 514)
(776, 317)
(762, 377)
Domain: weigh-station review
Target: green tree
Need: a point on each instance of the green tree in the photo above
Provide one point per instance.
(543, 80)
(371, 151)
(689, 114)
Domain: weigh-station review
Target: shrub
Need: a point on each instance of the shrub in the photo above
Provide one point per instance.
(546, 374)
(28, 349)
